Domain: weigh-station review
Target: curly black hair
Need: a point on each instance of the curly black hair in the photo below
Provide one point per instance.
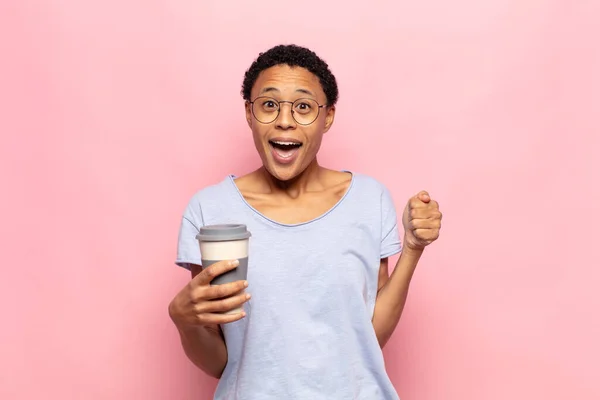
(294, 56)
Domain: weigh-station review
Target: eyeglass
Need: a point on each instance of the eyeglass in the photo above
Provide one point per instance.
(304, 111)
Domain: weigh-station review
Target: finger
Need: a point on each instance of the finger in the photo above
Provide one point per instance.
(221, 291)
(426, 234)
(425, 213)
(219, 319)
(216, 269)
(425, 224)
(223, 305)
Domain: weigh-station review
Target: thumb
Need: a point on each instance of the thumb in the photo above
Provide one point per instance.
(424, 196)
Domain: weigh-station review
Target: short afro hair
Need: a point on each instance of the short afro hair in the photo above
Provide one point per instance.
(294, 56)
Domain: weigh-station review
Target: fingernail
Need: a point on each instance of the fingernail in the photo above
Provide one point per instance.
(234, 263)
(245, 283)
(248, 296)
(243, 314)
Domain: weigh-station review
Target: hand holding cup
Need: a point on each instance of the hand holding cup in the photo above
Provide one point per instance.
(200, 304)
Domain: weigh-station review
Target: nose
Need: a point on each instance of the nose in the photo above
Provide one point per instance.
(285, 119)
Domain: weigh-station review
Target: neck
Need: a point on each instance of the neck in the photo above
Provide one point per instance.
(297, 185)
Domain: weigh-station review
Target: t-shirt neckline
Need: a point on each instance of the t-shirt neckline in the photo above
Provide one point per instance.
(231, 178)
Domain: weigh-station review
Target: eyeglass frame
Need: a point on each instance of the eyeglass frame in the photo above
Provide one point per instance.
(291, 109)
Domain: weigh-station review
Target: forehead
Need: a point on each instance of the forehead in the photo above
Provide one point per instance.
(286, 81)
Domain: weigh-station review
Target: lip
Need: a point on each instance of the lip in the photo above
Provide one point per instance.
(279, 157)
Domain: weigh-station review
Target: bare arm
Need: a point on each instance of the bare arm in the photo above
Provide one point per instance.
(422, 222)
(392, 293)
(195, 313)
(204, 345)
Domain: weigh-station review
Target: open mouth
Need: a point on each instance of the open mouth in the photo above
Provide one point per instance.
(285, 149)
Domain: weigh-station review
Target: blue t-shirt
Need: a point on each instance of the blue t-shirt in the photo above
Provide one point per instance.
(308, 332)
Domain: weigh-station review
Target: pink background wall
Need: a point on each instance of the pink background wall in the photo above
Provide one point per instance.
(111, 111)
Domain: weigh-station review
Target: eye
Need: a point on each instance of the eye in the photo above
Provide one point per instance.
(270, 105)
(303, 107)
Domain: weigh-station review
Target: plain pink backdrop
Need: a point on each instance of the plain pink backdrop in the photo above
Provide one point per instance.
(114, 113)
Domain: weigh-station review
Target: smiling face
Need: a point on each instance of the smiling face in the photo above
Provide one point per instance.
(287, 145)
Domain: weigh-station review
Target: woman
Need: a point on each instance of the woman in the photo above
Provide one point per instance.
(322, 304)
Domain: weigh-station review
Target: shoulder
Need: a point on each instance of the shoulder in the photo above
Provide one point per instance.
(372, 191)
(213, 193)
(369, 184)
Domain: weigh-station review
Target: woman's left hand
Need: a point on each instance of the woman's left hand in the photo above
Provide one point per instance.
(422, 221)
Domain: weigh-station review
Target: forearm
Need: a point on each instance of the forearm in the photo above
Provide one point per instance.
(205, 347)
(392, 296)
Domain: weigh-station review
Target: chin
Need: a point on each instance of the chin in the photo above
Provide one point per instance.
(282, 173)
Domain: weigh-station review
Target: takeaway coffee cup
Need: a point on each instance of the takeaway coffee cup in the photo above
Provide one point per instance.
(225, 242)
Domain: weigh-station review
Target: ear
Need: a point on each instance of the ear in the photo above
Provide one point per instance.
(329, 117)
(248, 108)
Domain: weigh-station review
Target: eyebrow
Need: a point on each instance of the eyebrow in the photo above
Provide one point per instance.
(274, 89)
(269, 89)
(305, 91)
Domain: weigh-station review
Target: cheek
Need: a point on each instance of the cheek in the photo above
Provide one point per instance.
(257, 136)
(259, 143)
(315, 140)
(259, 131)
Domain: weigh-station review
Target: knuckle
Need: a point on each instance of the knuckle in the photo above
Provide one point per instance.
(220, 291)
(233, 302)
(201, 318)
(210, 272)
(222, 305)
(225, 304)
(198, 308)
(193, 295)
(233, 287)
(241, 298)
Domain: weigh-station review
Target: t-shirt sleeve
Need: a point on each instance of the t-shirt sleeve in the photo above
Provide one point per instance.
(390, 236)
(188, 250)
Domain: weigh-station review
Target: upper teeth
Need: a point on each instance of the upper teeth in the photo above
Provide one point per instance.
(285, 143)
